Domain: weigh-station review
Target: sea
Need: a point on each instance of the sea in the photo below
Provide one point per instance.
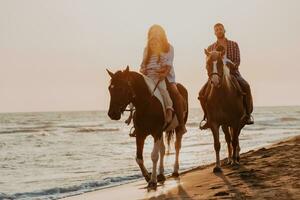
(51, 155)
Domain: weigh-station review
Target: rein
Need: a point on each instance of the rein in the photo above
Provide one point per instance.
(133, 96)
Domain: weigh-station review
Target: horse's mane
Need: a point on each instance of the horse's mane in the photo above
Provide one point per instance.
(136, 81)
(139, 84)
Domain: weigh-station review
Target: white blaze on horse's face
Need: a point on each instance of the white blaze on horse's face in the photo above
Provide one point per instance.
(215, 78)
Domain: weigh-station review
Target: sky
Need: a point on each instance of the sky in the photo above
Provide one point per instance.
(53, 53)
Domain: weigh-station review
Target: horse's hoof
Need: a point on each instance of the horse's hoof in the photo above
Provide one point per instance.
(227, 162)
(148, 177)
(217, 169)
(235, 165)
(161, 178)
(152, 185)
(175, 174)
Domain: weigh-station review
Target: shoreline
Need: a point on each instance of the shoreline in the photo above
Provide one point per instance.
(260, 176)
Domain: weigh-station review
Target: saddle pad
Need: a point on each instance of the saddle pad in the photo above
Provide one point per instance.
(151, 85)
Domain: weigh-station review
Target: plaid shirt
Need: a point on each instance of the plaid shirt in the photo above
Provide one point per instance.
(232, 52)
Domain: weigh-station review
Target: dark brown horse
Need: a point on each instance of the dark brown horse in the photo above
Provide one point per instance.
(130, 87)
(224, 106)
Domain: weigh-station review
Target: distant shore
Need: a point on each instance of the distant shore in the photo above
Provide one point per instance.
(271, 172)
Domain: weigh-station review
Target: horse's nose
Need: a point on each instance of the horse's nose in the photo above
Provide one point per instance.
(113, 115)
(215, 80)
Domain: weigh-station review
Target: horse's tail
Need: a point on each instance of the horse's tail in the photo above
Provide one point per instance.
(169, 137)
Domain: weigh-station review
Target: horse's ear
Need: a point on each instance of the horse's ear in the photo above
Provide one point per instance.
(206, 52)
(126, 71)
(110, 73)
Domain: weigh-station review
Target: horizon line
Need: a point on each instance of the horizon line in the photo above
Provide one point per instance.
(105, 110)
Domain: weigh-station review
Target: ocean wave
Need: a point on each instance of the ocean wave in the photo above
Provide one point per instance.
(28, 129)
(79, 126)
(19, 131)
(59, 192)
(254, 128)
(284, 119)
(87, 130)
(192, 124)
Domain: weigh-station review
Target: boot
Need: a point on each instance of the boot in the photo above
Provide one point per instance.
(249, 119)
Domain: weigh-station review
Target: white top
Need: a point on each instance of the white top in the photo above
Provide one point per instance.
(153, 65)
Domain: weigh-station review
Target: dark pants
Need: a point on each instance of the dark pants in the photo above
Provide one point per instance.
(179, 103)
(248, 102)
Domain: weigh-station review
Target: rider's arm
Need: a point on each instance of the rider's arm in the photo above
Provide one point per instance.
(143, 68)
(237, 55)
(167, 65)
(230, 64)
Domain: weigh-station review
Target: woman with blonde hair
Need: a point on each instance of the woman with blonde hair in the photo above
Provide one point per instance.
(158, 65)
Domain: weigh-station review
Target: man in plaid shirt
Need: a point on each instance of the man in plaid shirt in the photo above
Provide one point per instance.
(232, 52)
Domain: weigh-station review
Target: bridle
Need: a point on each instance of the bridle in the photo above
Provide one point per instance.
(134, 95)
(215, 73)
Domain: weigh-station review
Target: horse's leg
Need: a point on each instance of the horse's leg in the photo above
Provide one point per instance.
(161, 177)
(238, 150)
(226, 131)
(217, 146)
(177, 149)
(140, 139)
(154, 157)
(235, 144)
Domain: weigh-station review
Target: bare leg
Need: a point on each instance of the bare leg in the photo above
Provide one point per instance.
(154, 157)
(177, 148)
(228, 141)
(217, 146)
(139, 156)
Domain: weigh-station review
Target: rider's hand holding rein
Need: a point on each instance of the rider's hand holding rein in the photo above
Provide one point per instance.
(163, 72)
(143, 71)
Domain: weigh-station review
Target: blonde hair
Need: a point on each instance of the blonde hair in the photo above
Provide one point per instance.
(162, 39)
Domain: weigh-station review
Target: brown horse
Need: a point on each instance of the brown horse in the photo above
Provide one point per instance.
(130, 87)
(224, 106)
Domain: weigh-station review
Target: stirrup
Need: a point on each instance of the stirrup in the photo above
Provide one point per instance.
(132, 133)
(203, 126)
(250, 120)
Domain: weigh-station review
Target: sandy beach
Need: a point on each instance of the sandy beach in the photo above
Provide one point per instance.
(271, 172)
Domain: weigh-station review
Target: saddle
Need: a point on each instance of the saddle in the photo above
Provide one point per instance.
(152, 88)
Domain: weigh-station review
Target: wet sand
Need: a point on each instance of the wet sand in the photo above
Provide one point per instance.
(272, 172)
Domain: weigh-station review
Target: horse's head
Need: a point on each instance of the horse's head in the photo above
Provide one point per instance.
(214, 66)
(121, 93)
